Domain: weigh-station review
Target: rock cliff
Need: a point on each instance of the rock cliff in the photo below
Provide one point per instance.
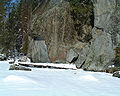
(56, 30)
(105, 35)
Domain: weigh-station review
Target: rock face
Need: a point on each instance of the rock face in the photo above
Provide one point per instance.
(38, 51)
(94, 45)
(105, 35)
(56, 26)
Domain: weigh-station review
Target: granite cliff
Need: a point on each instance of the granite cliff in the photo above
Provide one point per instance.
(60, 34)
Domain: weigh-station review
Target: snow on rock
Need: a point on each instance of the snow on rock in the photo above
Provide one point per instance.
(67, 66)
(23, 59)
(111, 66)
(11, 60)
(116, 74)
(20, 59)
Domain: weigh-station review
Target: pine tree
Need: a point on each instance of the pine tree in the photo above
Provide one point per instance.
(10, 26)
(3, 11)
(26, 10)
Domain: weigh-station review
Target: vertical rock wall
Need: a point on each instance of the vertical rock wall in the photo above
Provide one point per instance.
(100, 52)
(56, 25)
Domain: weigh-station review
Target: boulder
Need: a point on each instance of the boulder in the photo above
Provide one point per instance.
(100, 51)
(116, 74)
(72, 56)
(38, 51)
(19, 67)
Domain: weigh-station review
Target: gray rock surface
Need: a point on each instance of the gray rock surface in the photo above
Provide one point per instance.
(56, 26)
(38, 51)
(100, 52)
(71, 56)
(18, 67)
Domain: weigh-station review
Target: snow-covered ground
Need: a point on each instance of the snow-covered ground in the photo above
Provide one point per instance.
(56, 82)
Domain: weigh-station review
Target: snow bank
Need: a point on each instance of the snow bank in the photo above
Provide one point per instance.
(56, 82)
(18, 79)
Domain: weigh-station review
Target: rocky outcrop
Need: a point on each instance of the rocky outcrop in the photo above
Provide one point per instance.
(116, 74)
(61, 30)
(54, 26)
(57, 27)
(105, 35)
(19, 67)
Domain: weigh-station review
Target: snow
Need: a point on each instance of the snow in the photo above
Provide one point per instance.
(111, 66)
(10, 60)
(20, 79)
(56, 82)
(89, 78)
(69, 66)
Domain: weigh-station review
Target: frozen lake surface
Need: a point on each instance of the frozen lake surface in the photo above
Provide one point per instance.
(56, 82)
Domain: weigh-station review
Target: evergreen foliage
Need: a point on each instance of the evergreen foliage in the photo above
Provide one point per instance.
(81, 9)
(4, 4)
(11, 34)
(35, 3)
(82, 14)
